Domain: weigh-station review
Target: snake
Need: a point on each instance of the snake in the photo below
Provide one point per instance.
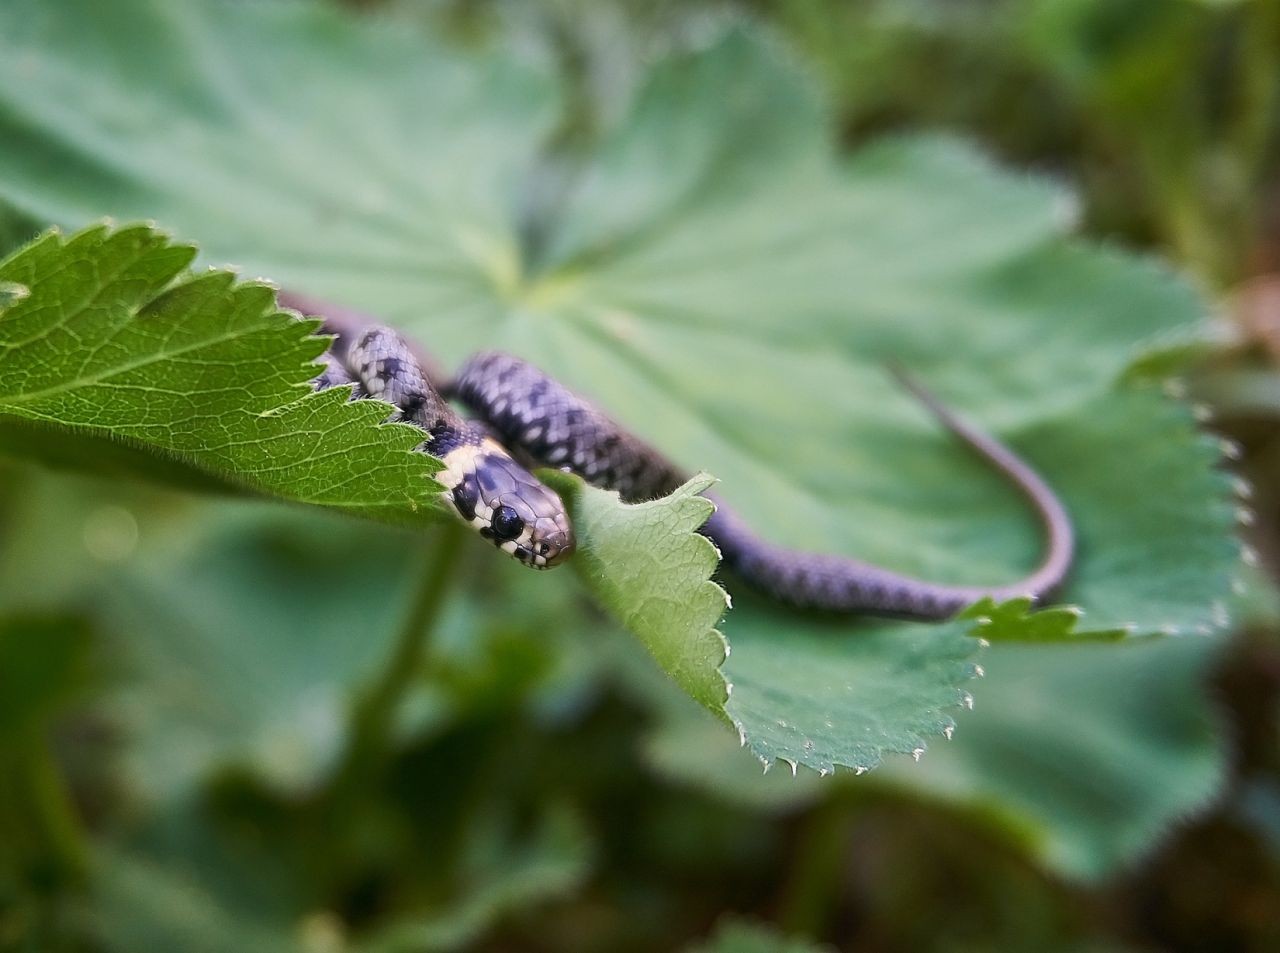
(524, 419)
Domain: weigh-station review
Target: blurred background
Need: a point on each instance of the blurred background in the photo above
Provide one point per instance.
(583, 807)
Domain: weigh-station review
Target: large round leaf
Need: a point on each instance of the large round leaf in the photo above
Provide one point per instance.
(715, 278)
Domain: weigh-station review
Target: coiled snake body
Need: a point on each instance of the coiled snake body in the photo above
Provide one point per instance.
(524, 412)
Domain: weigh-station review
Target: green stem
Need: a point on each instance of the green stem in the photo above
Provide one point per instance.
(375, 711)
(47, 839)
(813, 884)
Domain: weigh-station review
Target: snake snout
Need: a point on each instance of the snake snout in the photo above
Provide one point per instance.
(553, 541)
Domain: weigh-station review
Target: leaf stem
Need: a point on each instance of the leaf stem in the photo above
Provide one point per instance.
(374, 712)
(49, 834)
(813, 885)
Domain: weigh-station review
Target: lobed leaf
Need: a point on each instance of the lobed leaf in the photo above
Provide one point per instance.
(113, 340)
(1091, 750)
(647, 564)
(715, 278)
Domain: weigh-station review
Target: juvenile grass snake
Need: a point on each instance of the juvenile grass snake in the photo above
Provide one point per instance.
(527, 419)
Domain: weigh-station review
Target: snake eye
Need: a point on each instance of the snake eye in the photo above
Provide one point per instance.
(506, 523)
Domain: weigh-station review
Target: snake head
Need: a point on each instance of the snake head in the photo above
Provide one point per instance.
(508, 506)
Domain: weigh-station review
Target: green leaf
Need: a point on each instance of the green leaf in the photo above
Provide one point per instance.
(500, 878)
(1091, 750)
(113, 340)
(152, 896)
(828, 694)
(1083, 753)
(247, 632)
(1088, 750)
(237, 642)
(715, 278)
(144, 903)
(690, 748)
(239, 632)
(647, 564)
(300, 172)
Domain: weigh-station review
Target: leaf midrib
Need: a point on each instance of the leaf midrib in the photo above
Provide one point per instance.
(81, 382)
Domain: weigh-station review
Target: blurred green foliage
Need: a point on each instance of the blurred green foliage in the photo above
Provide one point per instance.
(1163, 112)
(193, 754)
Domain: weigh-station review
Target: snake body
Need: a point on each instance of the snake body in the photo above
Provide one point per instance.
(542, 423)
(554, 427)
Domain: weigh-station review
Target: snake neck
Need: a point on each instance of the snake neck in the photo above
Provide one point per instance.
(554, 427)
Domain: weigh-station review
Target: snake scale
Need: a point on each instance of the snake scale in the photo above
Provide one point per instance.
(527, 419)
